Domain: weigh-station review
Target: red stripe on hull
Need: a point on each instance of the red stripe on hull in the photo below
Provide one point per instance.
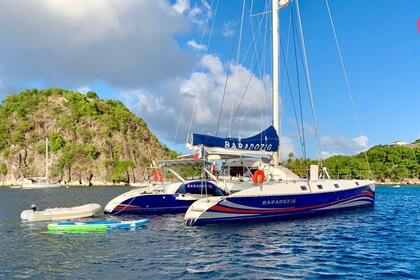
(220, 208)
(125, 207)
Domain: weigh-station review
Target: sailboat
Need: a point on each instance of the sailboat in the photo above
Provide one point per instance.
(274, 197)
(41, 183)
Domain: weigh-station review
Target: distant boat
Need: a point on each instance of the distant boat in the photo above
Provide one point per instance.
(396, 186)
(40, 183)
(60, 214)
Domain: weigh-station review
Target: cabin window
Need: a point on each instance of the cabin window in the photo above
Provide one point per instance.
(319, 187)
(357, 183)
(303, 188)
(336, 185)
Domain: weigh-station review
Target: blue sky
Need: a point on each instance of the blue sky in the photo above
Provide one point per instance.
(148, 54)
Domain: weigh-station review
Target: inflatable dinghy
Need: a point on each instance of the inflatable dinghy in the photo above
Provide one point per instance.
(103, 225)
(57, 214)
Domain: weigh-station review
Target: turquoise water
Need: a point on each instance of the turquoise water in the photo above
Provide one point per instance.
(377, 243)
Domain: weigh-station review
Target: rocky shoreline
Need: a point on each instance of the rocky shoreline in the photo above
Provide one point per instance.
(9, 183)
(408, 182)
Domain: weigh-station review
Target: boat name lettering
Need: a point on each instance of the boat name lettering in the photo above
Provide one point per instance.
(254, 147)
(278, 201)
(198, 185)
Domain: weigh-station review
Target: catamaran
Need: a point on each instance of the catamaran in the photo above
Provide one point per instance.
(160, 197)
(275, 192)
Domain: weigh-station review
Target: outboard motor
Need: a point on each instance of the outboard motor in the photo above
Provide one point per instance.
(34, 207)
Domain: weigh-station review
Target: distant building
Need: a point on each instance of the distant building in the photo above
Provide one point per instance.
(399, 143)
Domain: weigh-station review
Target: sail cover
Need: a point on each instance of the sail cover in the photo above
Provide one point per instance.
(267, 140)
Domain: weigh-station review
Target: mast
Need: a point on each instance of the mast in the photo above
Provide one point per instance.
(275, 78)
(46, 159)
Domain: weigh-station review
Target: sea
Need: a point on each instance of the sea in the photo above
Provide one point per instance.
(382, 242)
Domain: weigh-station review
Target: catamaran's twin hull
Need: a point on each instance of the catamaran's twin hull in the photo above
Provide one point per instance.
(168, 198)
(241, 208)
(149, 204)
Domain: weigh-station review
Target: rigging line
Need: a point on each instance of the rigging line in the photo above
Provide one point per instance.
(295, 46)
(246, 88)
(287, 51)
(309, 85)
(179, 121)
(262, 68)
(192, 70)
(347, 81)
(192, 117)
(212, 24)
(195, 61)
(254, 40)
(237, 61)
(263, 50)
(224, 89)
(254, 43)
(291, 95)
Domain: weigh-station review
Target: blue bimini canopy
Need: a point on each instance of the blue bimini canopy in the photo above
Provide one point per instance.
(267, 140)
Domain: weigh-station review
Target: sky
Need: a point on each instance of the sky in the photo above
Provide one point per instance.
(169, 60)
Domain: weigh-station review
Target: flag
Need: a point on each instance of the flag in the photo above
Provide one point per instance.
(199, 155)
(418, 25)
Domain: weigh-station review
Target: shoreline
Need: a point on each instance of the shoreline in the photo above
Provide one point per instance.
(139, 185)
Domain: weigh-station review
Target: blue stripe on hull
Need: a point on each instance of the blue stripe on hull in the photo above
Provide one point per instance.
(272, 218)
(152, 204)
(286, 206)
(298, 201)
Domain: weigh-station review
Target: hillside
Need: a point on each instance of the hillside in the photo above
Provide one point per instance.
(387, 164)
(92, 141)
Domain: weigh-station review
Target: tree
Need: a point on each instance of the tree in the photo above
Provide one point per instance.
(92, 94)
(290, 156)
(3, 171)
(119, 171)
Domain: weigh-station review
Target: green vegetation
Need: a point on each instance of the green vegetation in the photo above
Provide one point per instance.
(386, 162)
(3, 171)
(89, 138)
(120, 170)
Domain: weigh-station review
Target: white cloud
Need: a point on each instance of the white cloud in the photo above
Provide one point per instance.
(126, 43)
(228, 29)
(84, 89)
(193, 44)
(199, 97)
(198, 14)
(287, 146)
(181, 6)
(341, 145)
(149, 104)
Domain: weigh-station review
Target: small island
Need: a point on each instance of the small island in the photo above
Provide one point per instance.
(92, 141)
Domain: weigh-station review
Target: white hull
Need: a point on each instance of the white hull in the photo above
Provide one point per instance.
(281, 200)
(60, 214)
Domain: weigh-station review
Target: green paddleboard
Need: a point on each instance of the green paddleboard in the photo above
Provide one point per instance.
(76, 228)
(103, 225)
